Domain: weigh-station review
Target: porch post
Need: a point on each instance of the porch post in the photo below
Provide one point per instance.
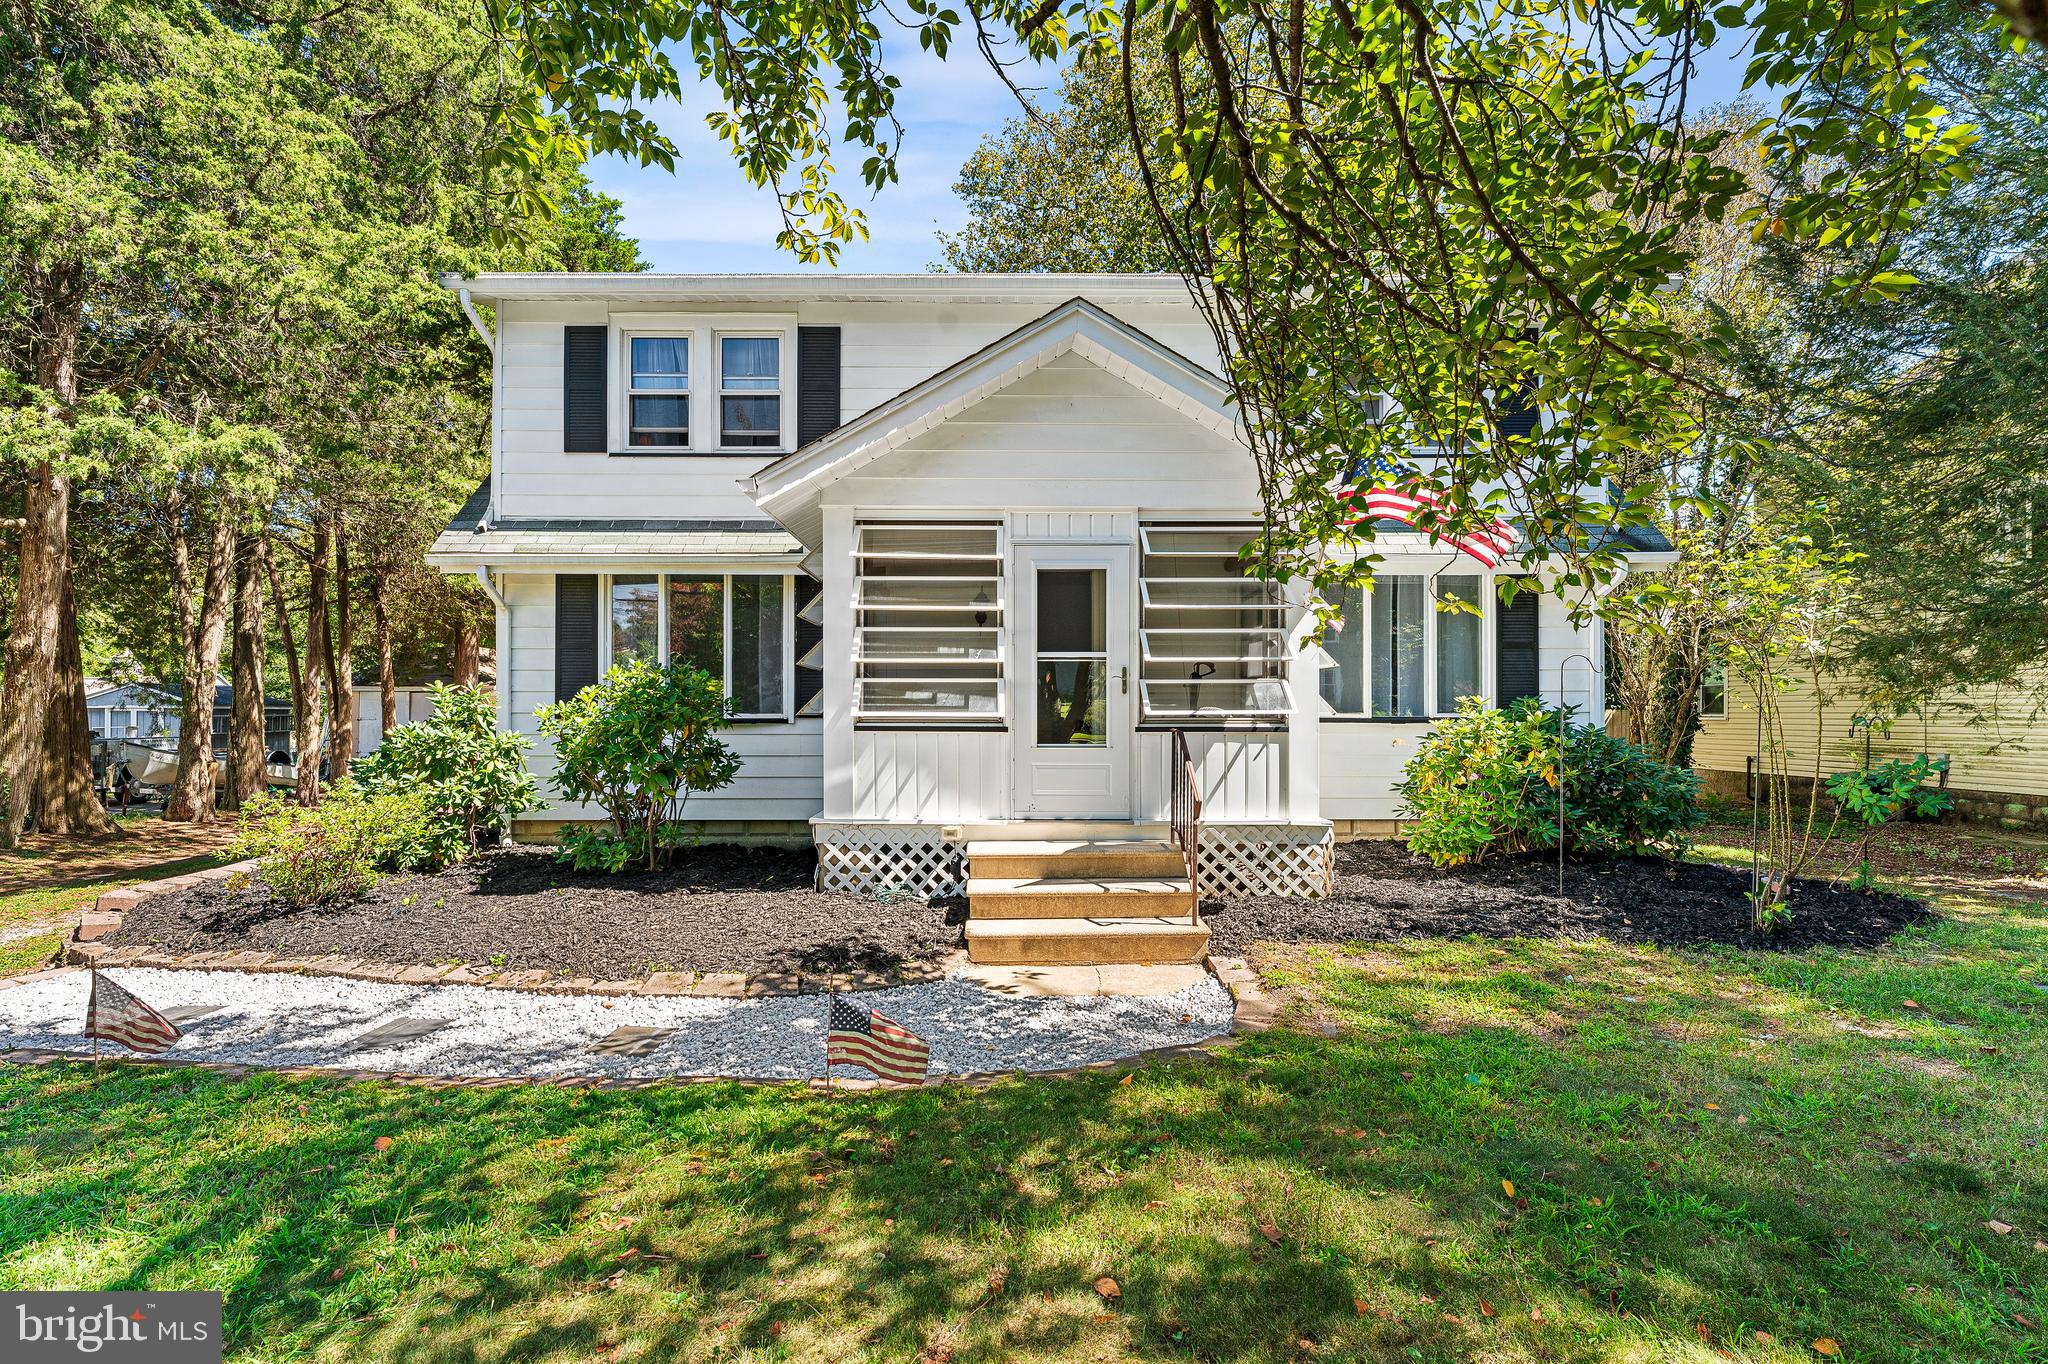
(1304, 727)
(837, 565)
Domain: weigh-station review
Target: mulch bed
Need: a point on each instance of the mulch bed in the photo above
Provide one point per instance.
(721, 909)
(1385, 892)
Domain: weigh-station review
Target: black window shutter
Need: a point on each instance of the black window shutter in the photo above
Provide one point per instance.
(817, 383)
(583, 389)
(575, 633)
(809, 681)
(1515, 672)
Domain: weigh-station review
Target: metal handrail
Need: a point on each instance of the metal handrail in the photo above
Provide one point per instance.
(1187, 817)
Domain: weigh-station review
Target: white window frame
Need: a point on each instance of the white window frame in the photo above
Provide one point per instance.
(1720, 711)
(719, 393)
(661, 577)
(688, 392)
(1489, 645)
(1156, 642)
(997, 609)
(706, 417)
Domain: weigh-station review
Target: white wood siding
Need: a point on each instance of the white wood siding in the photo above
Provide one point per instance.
(929, 776)
(885, 349)
(1242, 775)
(781, 765)
(1362, 759)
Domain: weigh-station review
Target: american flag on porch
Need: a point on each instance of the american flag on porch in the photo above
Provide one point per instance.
(1489, 544)
(863, 1037)
(117, 1016)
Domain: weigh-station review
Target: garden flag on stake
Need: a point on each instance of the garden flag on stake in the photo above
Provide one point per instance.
(862, 1037)
(118, 1016)
(1489, 544)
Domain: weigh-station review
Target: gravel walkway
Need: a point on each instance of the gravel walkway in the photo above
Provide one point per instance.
(282, 1020)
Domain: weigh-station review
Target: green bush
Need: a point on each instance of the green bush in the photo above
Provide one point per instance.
(637, 743)
(1893, 789)
(473, 777)
(1486, 781)
(331, 854)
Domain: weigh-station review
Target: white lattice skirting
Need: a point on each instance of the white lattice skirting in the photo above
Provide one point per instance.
(886, 859)
(1269, 859)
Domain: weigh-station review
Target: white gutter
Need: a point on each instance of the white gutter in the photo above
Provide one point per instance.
(490, 586)
(475, 320)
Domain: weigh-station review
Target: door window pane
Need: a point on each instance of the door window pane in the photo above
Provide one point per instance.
(696, 623)
(636, 619)
(1344, 685)
(1071, 605)
(757, 645)
(1457, 641)
(1398, 625)
(1071, 701)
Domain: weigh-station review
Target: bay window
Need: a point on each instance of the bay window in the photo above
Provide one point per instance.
(735, 626)
(1409, 649)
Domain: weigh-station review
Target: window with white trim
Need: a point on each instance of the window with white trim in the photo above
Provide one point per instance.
(1713, 701)
(749, 391)
(1408, 649)
(736, 626)
(928, 621)
(1212, 638)
(658, 391)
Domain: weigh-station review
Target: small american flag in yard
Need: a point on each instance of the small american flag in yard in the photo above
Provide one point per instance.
(862, 1037)
(118, 1016)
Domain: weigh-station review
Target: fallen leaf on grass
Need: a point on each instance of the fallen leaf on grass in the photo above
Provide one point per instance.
(1910, 1004)
(1101, 1317)
(1128, 1078)
(2000, 1228)
(1270, 1232)
(1826, 1346)
(1108, 1288)
(775, 1330)
(1156, 1203)
(1358, 1306)
(335, 1277)
(1536, 1314)
(391, 1232)
(382, 1143)
(1507, 1187)
(1766, 1338)
(1486, 1309)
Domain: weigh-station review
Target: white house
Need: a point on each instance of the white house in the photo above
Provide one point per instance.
(964, 548)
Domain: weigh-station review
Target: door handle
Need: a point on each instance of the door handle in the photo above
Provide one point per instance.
(1124, 675)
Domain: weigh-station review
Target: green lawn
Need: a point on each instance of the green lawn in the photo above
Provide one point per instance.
(1459, 1150)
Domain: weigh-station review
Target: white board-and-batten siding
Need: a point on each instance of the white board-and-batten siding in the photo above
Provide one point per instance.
(781, 764)
(884, 350)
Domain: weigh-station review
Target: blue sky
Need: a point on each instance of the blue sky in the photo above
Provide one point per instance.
(705, 218)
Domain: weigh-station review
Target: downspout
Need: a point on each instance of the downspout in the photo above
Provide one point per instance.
(499, 637)
(497, 379)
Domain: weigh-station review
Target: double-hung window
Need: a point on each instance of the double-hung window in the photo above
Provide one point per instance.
(1714, 692)
(658, 400)
(735, 626)
(749, 391)
(1411, 648)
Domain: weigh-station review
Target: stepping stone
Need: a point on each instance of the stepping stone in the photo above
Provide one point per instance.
(630, 1041)
(181, 1014)
(397, 1032)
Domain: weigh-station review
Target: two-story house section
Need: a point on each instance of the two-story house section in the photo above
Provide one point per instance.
(964, 550)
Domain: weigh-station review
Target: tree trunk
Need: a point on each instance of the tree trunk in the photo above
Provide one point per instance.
(341, 697)
(248, 739)
(319, 666)
(192, 794)
(468, 651)
(387, 680)
(55, 299)
(69, 805)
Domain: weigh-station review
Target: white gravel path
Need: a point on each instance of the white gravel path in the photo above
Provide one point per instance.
(286, 1020)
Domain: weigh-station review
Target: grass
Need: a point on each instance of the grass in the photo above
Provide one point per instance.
(1464, 1149)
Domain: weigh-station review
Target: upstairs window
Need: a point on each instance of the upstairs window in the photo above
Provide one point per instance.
(749, 391)
(658, 401)
(1212, 638)
(1402, 655)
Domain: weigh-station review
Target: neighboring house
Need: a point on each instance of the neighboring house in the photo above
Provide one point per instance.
(414, 704)
(964, 549)
(1996, 740)
(151, 710)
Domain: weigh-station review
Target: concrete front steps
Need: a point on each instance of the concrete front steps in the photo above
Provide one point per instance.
(1080, 902)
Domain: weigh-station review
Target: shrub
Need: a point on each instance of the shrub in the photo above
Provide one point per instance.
(637, 743)
(1486, 780)
(331, 854)
(472, 777)
(1895, 788)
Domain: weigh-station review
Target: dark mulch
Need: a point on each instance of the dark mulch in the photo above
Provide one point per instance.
(1384, 892)
(722, 909)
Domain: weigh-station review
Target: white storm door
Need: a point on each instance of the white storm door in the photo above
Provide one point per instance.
(1075, 691)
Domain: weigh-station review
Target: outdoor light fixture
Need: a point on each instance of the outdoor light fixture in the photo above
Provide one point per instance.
(981, 599)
